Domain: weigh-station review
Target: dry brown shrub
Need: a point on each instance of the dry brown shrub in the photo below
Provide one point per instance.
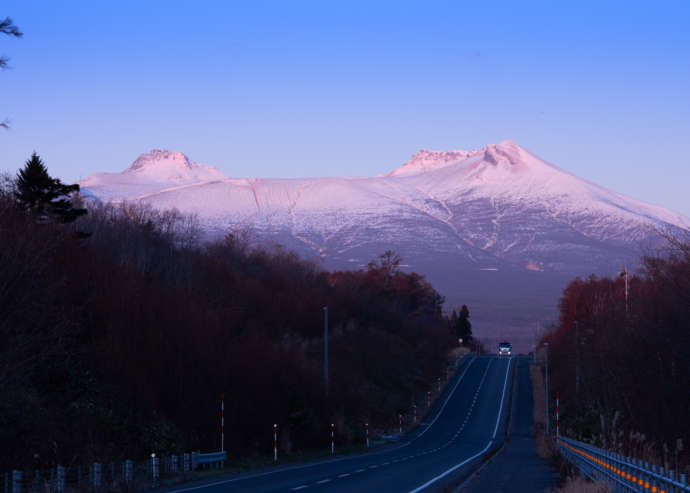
(545, 446)
(579, 484)
(457, 353)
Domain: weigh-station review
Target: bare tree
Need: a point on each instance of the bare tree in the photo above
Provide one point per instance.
(7, 27)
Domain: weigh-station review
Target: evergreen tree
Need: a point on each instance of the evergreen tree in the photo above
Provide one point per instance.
(463, 326)
(43, 195)
(453, 321)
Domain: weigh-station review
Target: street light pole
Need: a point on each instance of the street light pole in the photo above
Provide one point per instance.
(624, 274)
(546, 346)
(325, 348)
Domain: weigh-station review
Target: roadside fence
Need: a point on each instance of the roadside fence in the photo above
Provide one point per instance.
(125, 476)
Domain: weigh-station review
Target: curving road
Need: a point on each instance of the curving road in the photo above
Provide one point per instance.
(469, 419)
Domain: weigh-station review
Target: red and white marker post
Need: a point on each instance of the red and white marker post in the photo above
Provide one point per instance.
(275, 443)
(428, 400)
(558, 430)
(222, 422)
(438, 384)
(366, 433)
(332, 439)
(414, 413)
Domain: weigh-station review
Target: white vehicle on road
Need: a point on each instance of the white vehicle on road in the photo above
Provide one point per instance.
(505, 348)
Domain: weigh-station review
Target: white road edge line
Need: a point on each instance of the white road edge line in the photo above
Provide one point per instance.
(488, 445)
(503, 395)
(450, 394)
(469, 412)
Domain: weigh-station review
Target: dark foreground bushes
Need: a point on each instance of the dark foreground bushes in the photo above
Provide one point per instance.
(632, 363)
(121, 344)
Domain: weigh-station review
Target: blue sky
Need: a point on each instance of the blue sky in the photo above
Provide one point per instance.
(286, 89)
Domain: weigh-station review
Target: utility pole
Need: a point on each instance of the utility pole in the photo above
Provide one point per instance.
(546, 346)
(558, 407)
(325, 348)
(577, 365)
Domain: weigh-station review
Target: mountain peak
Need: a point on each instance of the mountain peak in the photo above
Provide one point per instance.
(160, 156)
(163, 166)
(427, 160)
(506, 152)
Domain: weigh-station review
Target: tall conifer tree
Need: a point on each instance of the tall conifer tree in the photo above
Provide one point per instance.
(464, 326)
(43, 195)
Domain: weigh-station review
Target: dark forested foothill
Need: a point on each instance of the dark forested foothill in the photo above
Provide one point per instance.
(622, 365)
(120, 344)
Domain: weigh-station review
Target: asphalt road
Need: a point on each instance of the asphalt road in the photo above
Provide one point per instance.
(517, 468)
(469, 419)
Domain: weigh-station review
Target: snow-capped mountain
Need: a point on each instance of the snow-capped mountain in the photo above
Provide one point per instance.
(156, 171)
(495, 228)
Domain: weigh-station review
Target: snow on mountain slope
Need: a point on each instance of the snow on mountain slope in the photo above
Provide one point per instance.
(507, 173)
(498, 200)
(151, 172)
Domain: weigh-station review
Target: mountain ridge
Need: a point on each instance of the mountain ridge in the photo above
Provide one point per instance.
(497, 216)
(504, 174)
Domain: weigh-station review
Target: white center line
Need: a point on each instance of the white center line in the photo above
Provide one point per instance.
(344, 475)
(323, 481)
(359, 470)
(299, 487)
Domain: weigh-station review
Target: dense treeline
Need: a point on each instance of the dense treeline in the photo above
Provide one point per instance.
(120, 341)
(632, 363)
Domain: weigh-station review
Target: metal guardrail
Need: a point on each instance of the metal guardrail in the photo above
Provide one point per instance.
(217, 458)
(625, 474)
